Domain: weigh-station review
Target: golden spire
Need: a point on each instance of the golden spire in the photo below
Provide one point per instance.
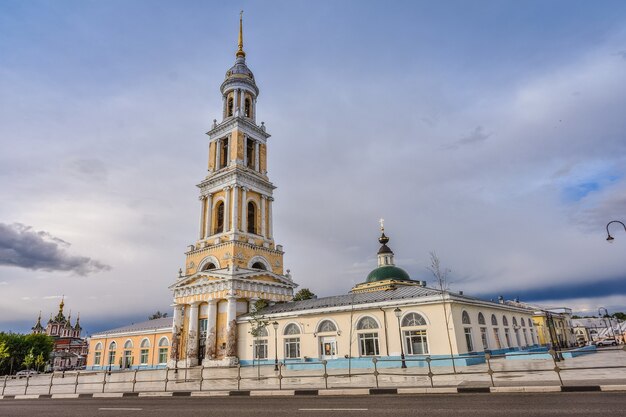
(240, 52)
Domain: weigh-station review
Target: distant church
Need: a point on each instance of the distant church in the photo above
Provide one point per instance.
(70, 350)
(234, 262)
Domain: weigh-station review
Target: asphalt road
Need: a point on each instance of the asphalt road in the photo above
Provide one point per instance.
(585, 404)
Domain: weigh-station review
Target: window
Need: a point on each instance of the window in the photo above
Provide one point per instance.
(209, 266)
(96, 358)
(260, 348)
(292, 329)
(251, 217)
(505, 321)
(112, 349)
(514, 322)
(416, 342)
(259, 265)
(412, 320)
(326, 326)
(229, 107)
(496, 336)
(368, 344)
(494, 320)
(468, 339)
(145, 350)
(163, 348)
(523, 322)
(366, 323)
(219, 217)
(483, 338)
(128, 354)
(246, 107)
(250, 153)
(530, 323)
(224, 153)
(292, 347)
(481, 318)
(465, 318)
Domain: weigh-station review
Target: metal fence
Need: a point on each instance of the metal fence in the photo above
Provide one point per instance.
(608, 365)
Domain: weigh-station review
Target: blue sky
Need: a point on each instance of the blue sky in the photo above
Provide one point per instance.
(489, 132)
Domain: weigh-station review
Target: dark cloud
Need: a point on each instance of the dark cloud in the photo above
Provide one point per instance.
(476, 136)
(23, 247)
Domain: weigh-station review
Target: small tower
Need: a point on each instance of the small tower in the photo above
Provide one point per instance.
(38, 328)
(387, 276)
(77, 328)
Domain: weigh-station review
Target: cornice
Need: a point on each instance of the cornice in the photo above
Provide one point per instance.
(235, 176)
(246, 126)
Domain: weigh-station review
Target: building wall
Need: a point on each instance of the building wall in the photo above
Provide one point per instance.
(135, 338)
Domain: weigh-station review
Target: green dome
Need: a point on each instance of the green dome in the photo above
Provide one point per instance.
(388, 272)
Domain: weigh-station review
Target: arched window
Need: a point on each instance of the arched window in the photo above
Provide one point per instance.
(247, 108)
(99, 346)
(97, 356)
(219, 217)
(163, 348)
(262, 332)
(326, 326)
(250, 157)
(505, 321)
(208, 266)
(291, 329)
(292, 344)
(259, 265)
(523, 322)
(465, 318)
(530, 323)
(494, 320)
(412, 320)
(260, 343)
(229, 107)
(112, 349)
(224, 153)
(251, 217)
(514, 322)
(112, 346)
(367, 323)
(128, 344)
(145, 351)
(481, 318)
(127, 360)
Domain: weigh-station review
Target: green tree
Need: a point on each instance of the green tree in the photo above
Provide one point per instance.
(620, 316)
(4, 352)
(19, 346)
(303, 294)
(29, 359)
(39, 361)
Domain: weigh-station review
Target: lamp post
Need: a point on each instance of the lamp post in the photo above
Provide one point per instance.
(610, 238)
(275, 326)
(606, 316)
(398, 313)
(553, 338)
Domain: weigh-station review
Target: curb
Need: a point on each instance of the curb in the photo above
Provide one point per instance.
(328, 392)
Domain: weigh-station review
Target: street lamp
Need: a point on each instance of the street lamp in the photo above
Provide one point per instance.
(609, 237)
(398, 313)
(275, 326)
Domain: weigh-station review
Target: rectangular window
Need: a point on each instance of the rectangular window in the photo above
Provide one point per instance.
(416, 342)
(368, 344)
(483, 337)
(496, 337)
(260, 349)
(250, 153)
(144, 356)
(162, 355)
(468, 339)
(292, 347)
(224, 153)
(507, 337)
(96, 358)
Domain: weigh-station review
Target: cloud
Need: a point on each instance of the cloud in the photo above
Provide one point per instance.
(622, 54)
(22, 247)
(477, 135)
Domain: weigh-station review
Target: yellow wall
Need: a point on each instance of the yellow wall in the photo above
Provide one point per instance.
(121, 339)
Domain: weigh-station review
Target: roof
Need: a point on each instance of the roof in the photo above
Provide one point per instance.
(143, 326)
(387, 272)
(398, 293)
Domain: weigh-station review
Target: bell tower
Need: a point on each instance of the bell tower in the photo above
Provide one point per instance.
(234, 261)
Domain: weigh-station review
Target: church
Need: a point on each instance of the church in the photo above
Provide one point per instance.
(234, 266)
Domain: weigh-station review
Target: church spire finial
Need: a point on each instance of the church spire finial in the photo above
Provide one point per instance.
(240, 52)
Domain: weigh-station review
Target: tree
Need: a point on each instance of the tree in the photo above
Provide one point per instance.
(620, 316)
(303, 294)
(441, 278)
(29, 359)
(39, 361)
(4, 352)
(157, 315)
(19, 346)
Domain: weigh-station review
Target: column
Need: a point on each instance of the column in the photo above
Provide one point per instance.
(202, 215)
(218, 152)
(244, 208)
(176, 328)
(235, 104)
(225, 110)
(263, 198)
(256, 156)
(211, 334)
(243, 102)
(227, 209)
(235, 211)
(270, 233)
(192, 335)
(231, 332)
(208, 215)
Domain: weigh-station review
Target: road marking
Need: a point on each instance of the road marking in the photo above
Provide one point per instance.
(119, 409)
(332, 409)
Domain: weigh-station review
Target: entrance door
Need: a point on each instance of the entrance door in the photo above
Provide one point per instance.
(328, 347)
